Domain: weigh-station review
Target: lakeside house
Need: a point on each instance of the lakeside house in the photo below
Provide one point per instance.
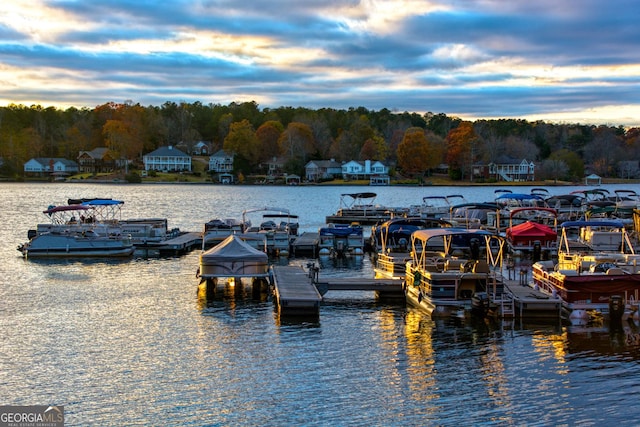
(221, 162)
(167, 159)
(318, 170)
(98, 160)
(509, 169)
(50, 166)
(363, 170)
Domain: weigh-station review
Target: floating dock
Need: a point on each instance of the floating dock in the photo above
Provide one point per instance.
(382, 287)
(295, 293)
(306, 244)
(299, 292)
(179, 245)
(530, 303)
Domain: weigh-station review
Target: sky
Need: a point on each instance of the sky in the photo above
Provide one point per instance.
(564, 61)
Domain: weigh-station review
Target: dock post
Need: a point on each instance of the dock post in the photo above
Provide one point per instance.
(210, 288)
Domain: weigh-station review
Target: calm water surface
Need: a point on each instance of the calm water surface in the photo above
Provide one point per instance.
(130, 343)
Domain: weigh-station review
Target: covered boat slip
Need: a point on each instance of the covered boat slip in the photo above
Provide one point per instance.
(233, 257)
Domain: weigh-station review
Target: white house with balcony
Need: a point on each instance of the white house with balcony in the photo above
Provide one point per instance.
(221, 162)
(510, 169)
(167, 159)
(364, 170)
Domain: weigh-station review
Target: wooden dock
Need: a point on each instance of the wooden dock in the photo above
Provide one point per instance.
(299, 292)
(296, 295)
(531, 303)
(178, 245)
(306, 244)
(388, 287)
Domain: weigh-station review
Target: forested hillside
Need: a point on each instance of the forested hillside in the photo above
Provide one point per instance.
(413, 144)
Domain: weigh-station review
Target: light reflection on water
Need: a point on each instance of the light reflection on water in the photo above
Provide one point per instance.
(130, 342)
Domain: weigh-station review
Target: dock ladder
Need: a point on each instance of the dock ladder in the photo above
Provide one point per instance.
(507, 305)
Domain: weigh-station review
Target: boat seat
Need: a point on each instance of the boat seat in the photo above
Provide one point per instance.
(454, 264)
(615, 271)
(481, 266)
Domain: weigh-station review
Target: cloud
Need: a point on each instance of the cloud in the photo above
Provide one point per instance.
(480, 58)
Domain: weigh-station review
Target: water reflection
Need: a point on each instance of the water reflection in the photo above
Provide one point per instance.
(232, 291)
(618, 339)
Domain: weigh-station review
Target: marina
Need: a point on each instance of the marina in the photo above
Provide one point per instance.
(368, 359)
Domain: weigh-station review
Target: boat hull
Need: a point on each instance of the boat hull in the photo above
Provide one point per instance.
(61, 246)
(588, 290)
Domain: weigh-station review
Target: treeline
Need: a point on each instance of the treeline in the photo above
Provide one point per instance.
(413, 144)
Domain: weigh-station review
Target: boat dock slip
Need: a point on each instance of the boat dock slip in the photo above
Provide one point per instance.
(181, 244)
(306, 244)
(381, 286)
(531, 303)
(295, 293)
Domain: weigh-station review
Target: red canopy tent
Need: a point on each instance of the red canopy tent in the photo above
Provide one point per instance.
(528, 232)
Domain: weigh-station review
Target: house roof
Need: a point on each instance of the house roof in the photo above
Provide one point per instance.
(364, 162)
(96, 153)
(324, 163)
(169, 151)
(222, 153)
(508, 160)
(45, 161)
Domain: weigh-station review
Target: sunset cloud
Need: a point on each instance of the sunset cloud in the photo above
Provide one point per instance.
(473, 59)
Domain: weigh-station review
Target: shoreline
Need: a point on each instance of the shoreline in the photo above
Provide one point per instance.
(345, 184)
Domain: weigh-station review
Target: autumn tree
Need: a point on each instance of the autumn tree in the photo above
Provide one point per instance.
(416, 153)
(117, 137)
(243, 142)
(368, 150)
(553, 169)
(268, 135)
(296, 141)
(461, 150)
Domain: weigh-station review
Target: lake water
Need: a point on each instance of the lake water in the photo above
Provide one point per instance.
(129, 342)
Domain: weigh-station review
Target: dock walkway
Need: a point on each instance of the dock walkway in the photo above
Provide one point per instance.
(306, 244)
(383, 286)
(531, 303)
(178, 245)
(295, 292)
(299, 292)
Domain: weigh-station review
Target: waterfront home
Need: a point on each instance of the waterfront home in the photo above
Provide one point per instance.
(363, 170)
(50, 166)
(167, 159)
(98, 160)
(316, 170)
(506, 168)
(275, 167)
(221, 162)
